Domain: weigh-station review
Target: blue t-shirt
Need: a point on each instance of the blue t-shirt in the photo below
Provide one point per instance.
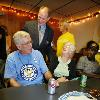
(26, 69)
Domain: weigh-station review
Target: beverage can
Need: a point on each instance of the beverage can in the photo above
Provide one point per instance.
(83, 81)
(51, 86)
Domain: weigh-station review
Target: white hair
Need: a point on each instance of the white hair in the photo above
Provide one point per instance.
(17, 37)
(71, 46)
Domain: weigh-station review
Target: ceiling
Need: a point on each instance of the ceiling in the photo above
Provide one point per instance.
(60, 8)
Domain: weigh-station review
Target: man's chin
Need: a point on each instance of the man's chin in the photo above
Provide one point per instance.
(29, 51)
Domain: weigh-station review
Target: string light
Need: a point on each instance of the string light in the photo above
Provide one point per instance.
(52, 21)
(84, 19)
(18, 12)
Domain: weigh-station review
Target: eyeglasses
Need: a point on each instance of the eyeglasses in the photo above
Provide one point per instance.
(27, 43)
(71, 47)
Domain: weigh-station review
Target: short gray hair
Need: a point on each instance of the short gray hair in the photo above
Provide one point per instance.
(17, 37)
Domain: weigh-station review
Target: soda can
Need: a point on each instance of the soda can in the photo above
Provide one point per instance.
(51, 86)
(83, 81)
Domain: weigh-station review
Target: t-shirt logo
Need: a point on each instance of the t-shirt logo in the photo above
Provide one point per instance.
(29, 72)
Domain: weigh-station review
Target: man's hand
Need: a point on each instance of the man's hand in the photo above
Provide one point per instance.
(14, 83)
(57, 83)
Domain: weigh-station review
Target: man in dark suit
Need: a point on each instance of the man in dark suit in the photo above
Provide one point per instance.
(41, 33)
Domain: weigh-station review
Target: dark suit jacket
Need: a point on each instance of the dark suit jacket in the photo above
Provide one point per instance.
(32, 28)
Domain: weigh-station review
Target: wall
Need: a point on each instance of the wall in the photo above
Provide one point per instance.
(83, 32)
(13, 23)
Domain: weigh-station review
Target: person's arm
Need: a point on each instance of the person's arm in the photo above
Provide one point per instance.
(14, 83)
(80, 64)
(62, 79)
(48, 75)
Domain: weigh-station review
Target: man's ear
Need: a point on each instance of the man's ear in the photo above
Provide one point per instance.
(19, 47)
(48, 18)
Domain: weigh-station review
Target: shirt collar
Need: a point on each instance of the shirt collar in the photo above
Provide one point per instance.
(60, 60)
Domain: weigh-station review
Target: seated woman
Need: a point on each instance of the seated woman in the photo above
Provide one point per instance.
(88, 63)
(64, 66)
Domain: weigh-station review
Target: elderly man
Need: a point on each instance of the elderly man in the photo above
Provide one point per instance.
(25, 66)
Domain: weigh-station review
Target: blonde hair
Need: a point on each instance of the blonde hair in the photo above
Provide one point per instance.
(63, 23)
(17, 37)
(63, 39)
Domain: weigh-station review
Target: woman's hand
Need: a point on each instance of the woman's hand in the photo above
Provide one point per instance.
(62, 79)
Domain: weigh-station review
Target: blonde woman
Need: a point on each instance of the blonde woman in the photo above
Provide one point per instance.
(66, 36)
